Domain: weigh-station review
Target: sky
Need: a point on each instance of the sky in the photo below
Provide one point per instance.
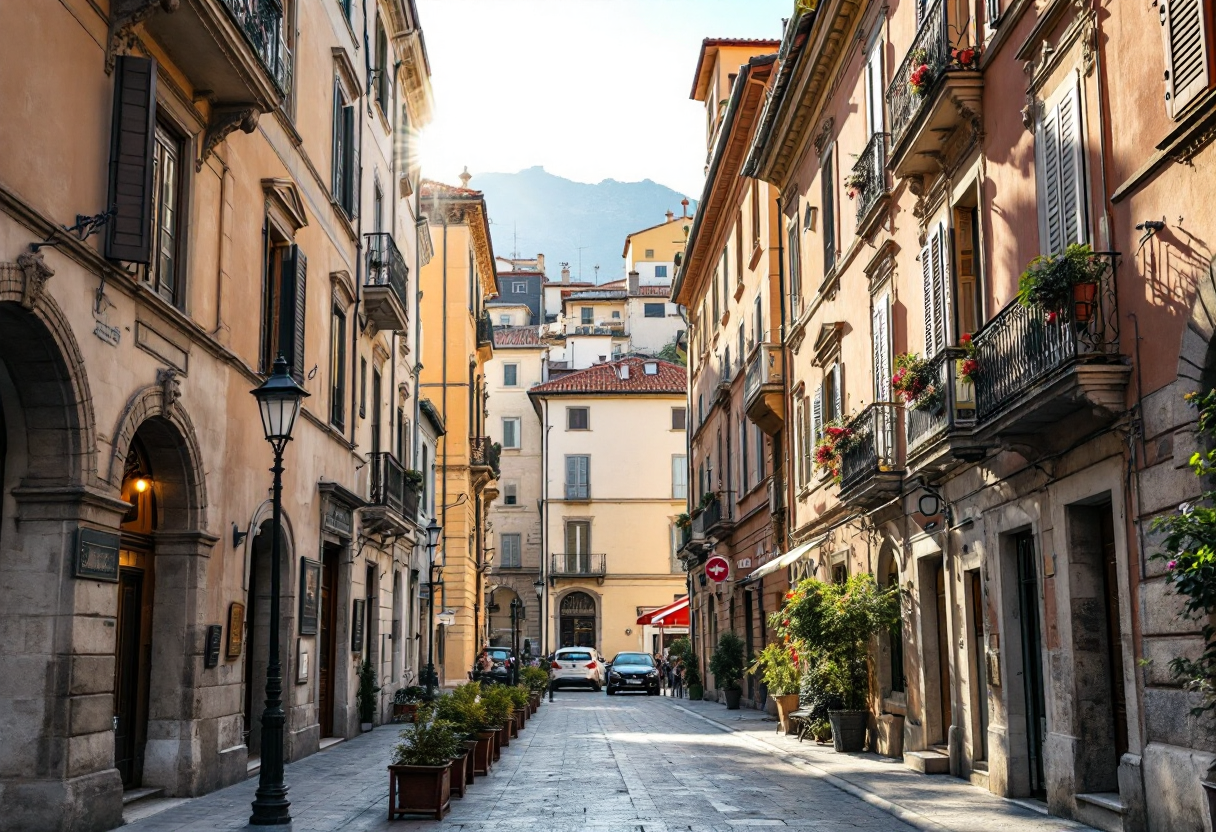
(589, 89)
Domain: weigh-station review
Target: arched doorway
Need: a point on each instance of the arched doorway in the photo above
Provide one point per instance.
(576, 620)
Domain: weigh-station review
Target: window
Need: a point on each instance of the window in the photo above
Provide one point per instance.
(649, 254)
(744, 473)
(504, 320)
(833, 394)
(802, 437)
(1059, 158)
(875, 97)
(587, 315)
(578, 477)
(654, 310)
(679, 477)
(344, 185)
(510, 375)
(660, 271)
(1188, 51)
(509, 557)
(994, 18)
(616, 314)
(935, 274)
(966, 247)
(795, 270)
(755, 213)
(758, 333)
(578, 418)
(578, 537)
(377, 386)
(362, 388)
(725, 279)
(651, 368)
(679, 418)
(510, 432)
(403, 438)
(739, 246)
(881, 340)
(510, 494)
(346, 7)
(759, 434)
(519, 287)
(166, 215)
(337, 366)
(827, 185)
(740, 347)
(384, 72)
(283, 303)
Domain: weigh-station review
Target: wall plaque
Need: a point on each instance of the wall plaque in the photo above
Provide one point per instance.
(236, 629)
(215, 636)
(96, 555)
(356, 625)
(337, 519)
(310, 596)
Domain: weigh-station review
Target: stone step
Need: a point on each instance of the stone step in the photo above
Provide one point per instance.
(927, 762)
(133, 795)
(1103, 810)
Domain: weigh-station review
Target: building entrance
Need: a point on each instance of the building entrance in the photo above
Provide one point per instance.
(577, 621)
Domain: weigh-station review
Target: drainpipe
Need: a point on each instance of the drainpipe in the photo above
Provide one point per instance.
(787, 464)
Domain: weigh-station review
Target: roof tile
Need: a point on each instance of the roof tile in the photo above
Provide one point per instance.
(606, 378)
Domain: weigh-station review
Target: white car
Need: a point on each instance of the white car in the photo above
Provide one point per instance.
(576, 667)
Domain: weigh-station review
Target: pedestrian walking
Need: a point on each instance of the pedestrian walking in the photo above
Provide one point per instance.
(678, 682)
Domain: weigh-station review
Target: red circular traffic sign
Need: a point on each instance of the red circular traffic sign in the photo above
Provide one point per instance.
(717, 568)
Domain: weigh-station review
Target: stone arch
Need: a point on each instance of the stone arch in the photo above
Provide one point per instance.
(563, 609)
(172, 435)
(264, 515)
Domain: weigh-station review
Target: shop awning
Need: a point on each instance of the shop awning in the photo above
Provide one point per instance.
(672, 615)
(784, 561)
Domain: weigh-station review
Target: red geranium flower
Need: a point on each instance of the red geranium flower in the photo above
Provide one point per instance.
(1051, 317)
(966, 339)
(920, 75)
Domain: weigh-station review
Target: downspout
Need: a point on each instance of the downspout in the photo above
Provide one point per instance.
(544, 531)
(443, 501)
(786, 462)
(356, 329)
(220, 250)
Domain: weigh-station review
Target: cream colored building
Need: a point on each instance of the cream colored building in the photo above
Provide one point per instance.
(652, 251)
(612, 485)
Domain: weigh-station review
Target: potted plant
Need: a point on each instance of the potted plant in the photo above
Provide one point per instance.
(726, 664)
(519, 698)
(536, 680)
(366, 696)
(969, 364)
(921, 74)
(499, 713)
(467, 714)
(414, 480)
(837, 438)
(683, 521)
(854, 184)
(406, 701)
(1053, 283)
(914, 384)
(681, 650)
(834, 623)
(777, 667)
(420, 774)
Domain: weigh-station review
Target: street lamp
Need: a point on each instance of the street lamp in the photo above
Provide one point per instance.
(279, 400)
(539, 586)
(517, 615)
(433, 531)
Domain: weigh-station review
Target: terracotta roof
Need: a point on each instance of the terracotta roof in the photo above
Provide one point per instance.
(655, 291)
(606, 378)
(596, 294)
(432, 188)
(517, 336)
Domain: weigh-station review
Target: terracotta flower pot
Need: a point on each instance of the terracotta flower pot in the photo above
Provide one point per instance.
(787, 703)
(1084, 301)
(483, 756)
(419, 790)
(849, 729)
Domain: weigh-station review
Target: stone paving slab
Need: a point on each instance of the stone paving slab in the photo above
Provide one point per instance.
(587, 763)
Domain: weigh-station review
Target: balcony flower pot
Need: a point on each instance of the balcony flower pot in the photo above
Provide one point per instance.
(1084, 301)
(733, 695)
(1050, 282)
(849, 730)
(786, 705)
(419, 790)
(484, 756)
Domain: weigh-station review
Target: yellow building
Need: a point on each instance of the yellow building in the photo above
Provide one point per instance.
(613, 483)
(652, 251)
(459, 340)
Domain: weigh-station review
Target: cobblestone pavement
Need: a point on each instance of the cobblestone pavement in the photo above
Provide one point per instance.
(633, 764)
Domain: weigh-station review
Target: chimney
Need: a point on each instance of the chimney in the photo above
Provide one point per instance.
(634, 281)
(684, 202)
(670, 216)
(540, 263)
(565, 272)
(465, 176)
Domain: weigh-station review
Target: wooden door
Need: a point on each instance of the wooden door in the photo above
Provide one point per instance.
(1114, 633)
(326, 641)
(981, 666)
(126, 677)
(1032, 659)
(943, 657)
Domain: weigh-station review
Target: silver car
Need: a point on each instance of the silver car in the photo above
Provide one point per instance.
(577, 667)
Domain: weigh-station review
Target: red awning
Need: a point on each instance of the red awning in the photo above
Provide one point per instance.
(672, 615)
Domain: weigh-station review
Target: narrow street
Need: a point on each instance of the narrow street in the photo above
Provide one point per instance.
(627, 763)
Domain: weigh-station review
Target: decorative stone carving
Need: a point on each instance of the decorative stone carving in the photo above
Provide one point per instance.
(825, 133)
(36, 272)
(124, 16)
(223, 121)
(170, 387)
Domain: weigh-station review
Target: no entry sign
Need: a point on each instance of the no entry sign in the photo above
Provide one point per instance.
(717, 568)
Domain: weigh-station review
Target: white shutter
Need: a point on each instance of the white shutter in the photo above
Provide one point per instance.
(1187, 52)
(945, 289)
(874, 87)
(881, 336)
(837, 390)
(1048, 156)
(816, 416)
(800, 438)
(935, 272)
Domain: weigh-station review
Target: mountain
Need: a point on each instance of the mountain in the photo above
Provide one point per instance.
(534, 211)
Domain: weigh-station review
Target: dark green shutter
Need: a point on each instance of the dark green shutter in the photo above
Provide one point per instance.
(292, 308)
(132, 141)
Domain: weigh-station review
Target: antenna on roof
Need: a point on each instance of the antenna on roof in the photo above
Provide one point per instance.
(597, 274)
(515, 241)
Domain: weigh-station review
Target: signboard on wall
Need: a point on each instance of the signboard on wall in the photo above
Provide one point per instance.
(96, 555)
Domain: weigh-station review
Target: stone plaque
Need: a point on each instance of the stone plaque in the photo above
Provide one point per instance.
(337, 519)
(96, 555)
(356, 626)
(215, 636)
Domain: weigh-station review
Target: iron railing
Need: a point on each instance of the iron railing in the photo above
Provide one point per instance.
(386, 266)
(710, 515)
(933, 50)
(485, 330)
(261, 22)
(484, 451)
(873, 446)
(947, 402)
(1022, 346)
(388, 484)
(766, 367)
(870, 175)
(576, 564)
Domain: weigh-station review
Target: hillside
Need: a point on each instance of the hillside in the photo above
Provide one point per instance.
(534, 211)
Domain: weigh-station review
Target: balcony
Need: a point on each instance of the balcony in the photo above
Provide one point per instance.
(233, 49)
(868, 182)
(938, 424)
(870, 467)
(578, 565)
(1035, 372)
(926, 116)
(484, 455)
(391, 502)
(764, 388)
(384, 298)
(713, 518)
(485, 331)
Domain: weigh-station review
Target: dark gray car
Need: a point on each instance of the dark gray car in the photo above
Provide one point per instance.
(633, 672)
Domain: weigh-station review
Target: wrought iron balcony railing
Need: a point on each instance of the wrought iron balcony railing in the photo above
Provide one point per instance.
(580, 564)
(388, 487)
(261, 22)
(710, 516)
(486, 452)
(947, 403)
(485, 330)
(1023, 346)
(931, 57)
(870, 175)
(873, 447)
(766, 367)
(386, 266)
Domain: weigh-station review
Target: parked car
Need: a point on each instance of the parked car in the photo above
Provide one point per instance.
(576, 667)
(504, 669)
(633, 672)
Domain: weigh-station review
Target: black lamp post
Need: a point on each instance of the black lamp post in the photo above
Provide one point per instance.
(539, 586)
(433, 531)
(279, 400)
(517, 615)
